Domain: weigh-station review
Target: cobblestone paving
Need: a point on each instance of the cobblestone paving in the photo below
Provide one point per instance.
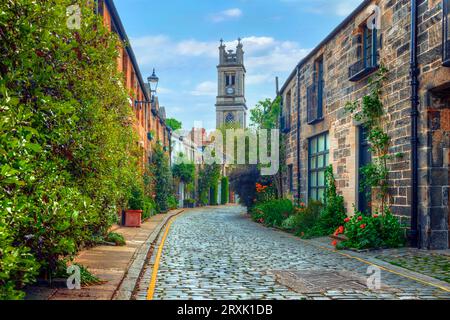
(220, 254)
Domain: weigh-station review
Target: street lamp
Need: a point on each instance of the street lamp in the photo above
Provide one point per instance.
(153, 83)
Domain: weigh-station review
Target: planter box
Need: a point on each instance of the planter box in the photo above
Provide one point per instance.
(133, 218)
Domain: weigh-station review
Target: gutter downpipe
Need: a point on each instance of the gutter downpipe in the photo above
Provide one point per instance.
(298, 136)
(414, 73)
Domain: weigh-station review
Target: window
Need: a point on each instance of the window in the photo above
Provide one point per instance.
(291, 177)
(446, 33)
(230, 80)
(367, 55)
(314, 94)
(229, 119)
(285, 121)
(318, 161)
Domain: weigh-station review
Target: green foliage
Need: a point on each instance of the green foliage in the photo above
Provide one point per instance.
(225, 192)
(209, 176)
(163, 179)
(377, 231)
(68, 152)
(184, 171)
(265, 115)
(273, 213)
(333, 212)
(136, 199)
(306, 219)
(215, 194)
(172, 202)
(149, 208)
(116, 238)
(371, 113)
(174, 124)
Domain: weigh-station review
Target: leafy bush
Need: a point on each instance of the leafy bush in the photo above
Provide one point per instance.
(209, 176)
(273, 213)
(185, 172)
(333, 211)
(172, 202)
(306, 218)
(116, 238)
(136, 199)
(149, 208)
(377, 231)
(69, 153)
(225, 193)
(163, 179)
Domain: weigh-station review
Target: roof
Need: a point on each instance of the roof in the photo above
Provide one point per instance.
(123, 36)
(333, 33)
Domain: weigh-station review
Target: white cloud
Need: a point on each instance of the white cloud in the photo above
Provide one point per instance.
(229, 14)
(207, 88)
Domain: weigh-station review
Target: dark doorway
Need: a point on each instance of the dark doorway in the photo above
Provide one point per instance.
(365, 157)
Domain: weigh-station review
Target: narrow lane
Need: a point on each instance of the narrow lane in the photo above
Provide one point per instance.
(220, 254)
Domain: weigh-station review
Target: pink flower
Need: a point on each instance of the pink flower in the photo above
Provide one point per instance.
(359, 218)
(347, 220)
(363, 226)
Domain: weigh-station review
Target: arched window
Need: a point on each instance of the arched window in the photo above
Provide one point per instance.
(229, 118)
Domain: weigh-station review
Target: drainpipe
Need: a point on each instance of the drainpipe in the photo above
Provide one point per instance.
(414, 72)
(298, 135)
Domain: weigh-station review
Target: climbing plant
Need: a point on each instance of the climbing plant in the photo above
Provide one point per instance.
(370, 112)
(163, 179)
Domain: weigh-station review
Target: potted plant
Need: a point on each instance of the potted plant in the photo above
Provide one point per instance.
(136, 204)
(189, 203)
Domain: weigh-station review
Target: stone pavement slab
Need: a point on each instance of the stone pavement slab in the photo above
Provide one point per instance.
(109, 263)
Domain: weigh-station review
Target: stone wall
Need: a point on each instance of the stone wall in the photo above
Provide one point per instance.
(339, 53)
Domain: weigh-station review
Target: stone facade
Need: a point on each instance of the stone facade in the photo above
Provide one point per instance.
(332, 59)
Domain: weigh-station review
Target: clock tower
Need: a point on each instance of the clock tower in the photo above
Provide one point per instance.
(231, 105)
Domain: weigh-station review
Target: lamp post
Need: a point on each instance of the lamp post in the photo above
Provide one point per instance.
(153, 81)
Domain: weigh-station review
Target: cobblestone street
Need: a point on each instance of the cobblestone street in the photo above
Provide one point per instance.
(221, 254)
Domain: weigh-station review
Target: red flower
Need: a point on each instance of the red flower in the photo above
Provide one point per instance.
(363, 226)
(341, 229)
(375, 216)
(334, 243)
(359, 218)
(347, 220)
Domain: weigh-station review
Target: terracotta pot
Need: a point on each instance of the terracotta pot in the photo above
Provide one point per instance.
(133, 218)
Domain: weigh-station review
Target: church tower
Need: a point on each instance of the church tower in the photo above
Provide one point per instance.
(231, 104)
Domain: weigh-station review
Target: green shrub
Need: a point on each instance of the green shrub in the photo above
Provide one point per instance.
(377, 231)
(136, 200)
(116, 238)
(273, 213)
(172, 202)
(333, 212)
(306, 219)
(163, 179)
(149, 208)
(225, 191)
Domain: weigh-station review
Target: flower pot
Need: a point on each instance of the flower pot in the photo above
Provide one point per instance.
(133, 218)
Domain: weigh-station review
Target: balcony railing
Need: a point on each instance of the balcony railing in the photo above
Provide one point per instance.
(285, 123)
(446, 33)
(361, 69)
(314, 97)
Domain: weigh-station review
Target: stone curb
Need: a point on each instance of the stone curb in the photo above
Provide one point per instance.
(130, 280)
(387, 265)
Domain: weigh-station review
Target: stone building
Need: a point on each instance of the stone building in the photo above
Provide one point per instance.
(150, 118)
(231, 105)
(412, 40)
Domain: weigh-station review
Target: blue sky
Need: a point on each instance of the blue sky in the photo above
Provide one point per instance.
(180, 38)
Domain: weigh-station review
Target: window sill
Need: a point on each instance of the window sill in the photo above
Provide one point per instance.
(315, 121)
(364, 73)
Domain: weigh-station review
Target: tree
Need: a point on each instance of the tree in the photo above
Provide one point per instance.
(225, 195)
(174, 124)
(163, 179)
